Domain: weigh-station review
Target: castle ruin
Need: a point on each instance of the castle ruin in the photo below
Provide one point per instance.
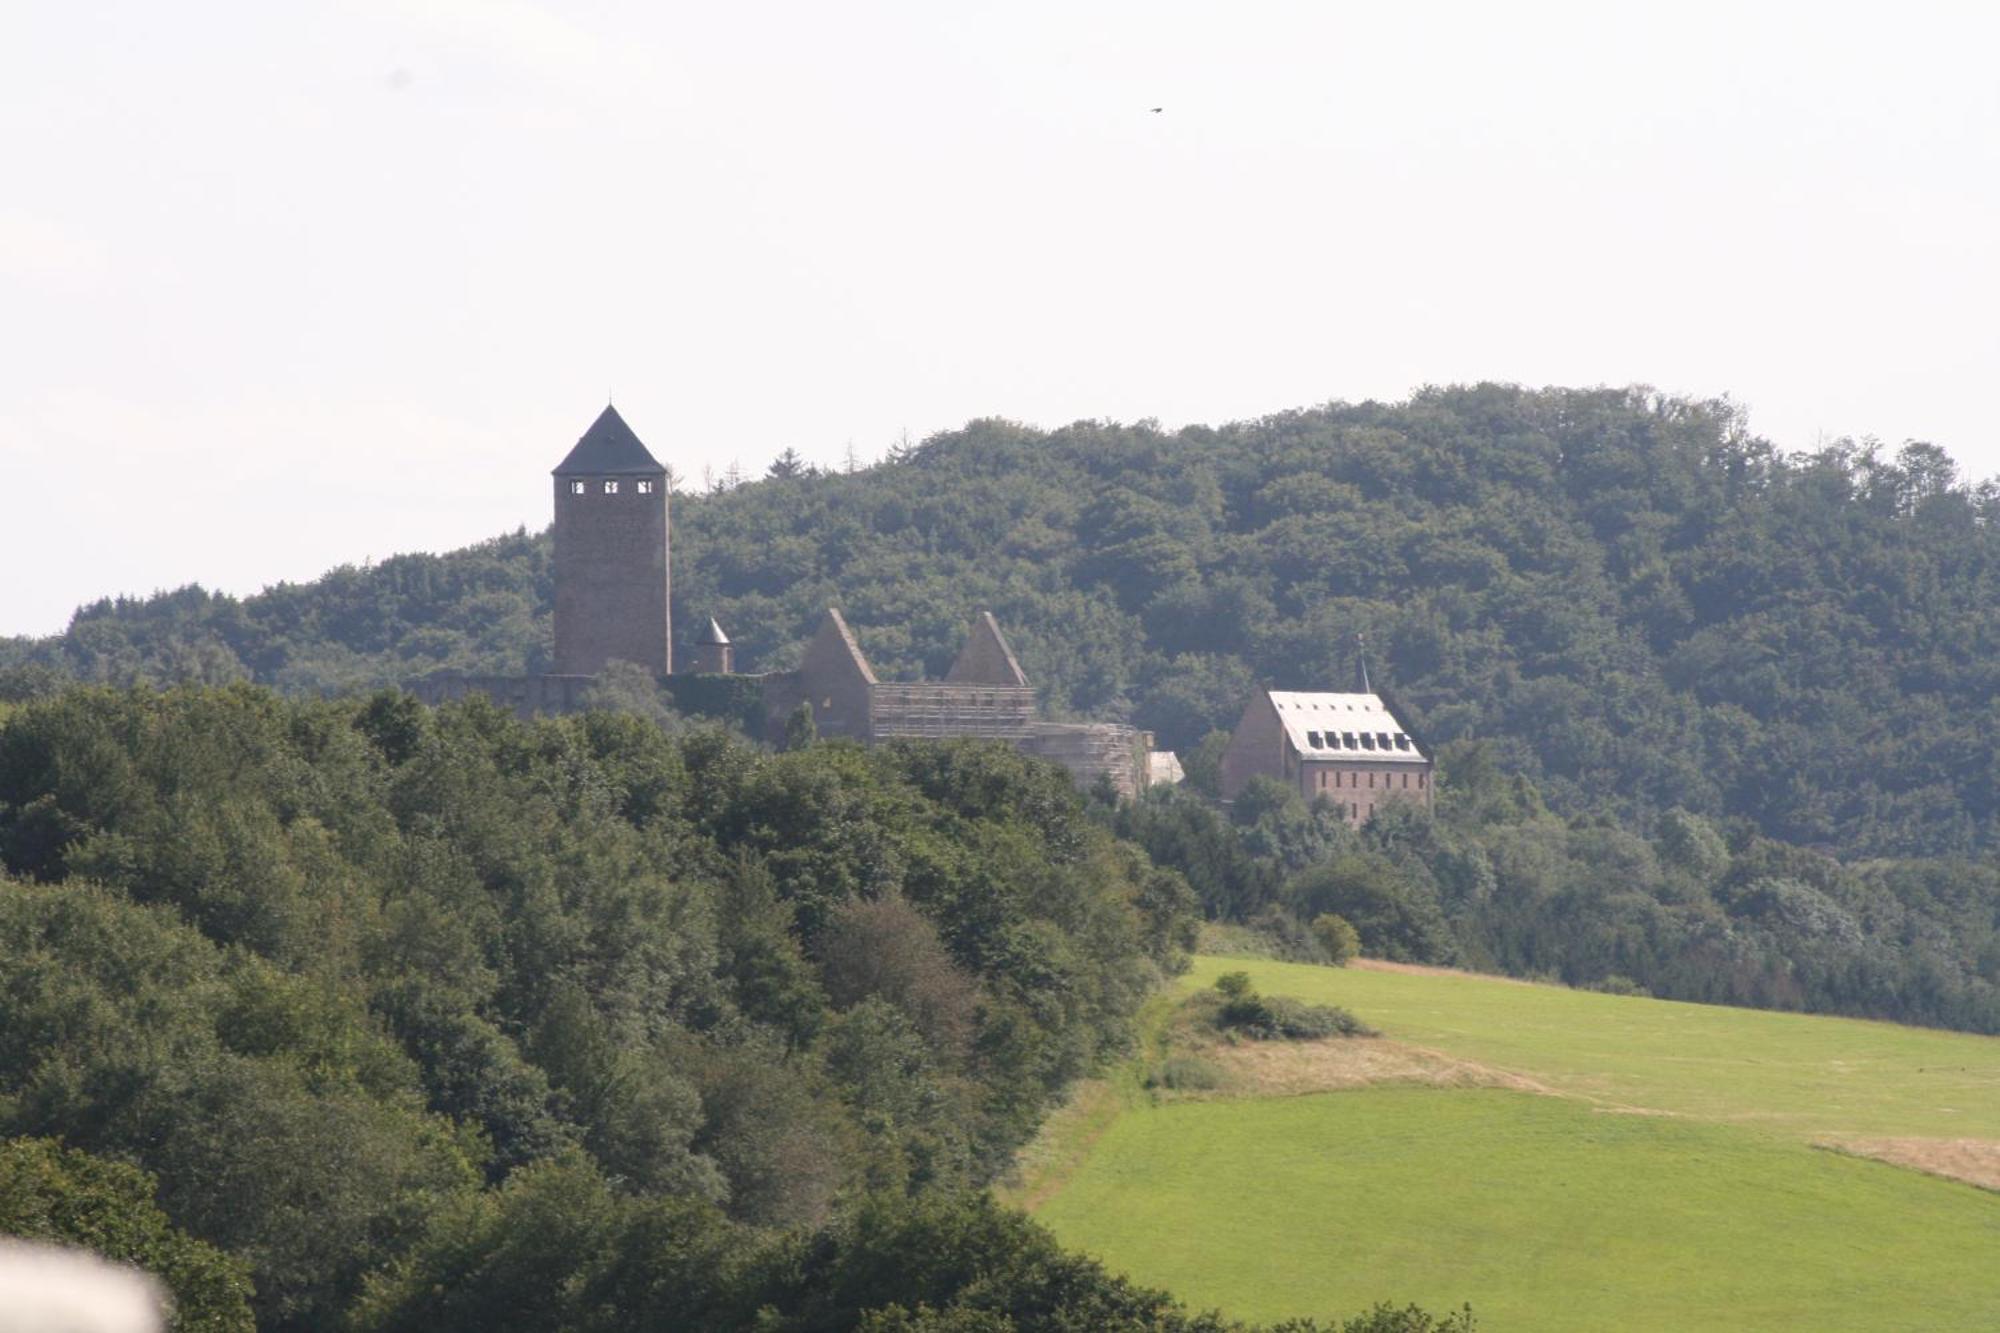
(613, 602)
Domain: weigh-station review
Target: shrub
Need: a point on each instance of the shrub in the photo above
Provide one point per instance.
(1234, 984)
(1337, 936)
(1280, 1017)
(1288, 938)
(1248, 1014)
(1295, 1020)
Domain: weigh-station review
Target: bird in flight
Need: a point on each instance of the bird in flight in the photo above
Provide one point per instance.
(1158, 109)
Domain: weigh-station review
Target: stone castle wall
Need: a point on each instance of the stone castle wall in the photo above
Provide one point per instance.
(525, 696)
(1094, 752)
(1257, 746)
(935, 710)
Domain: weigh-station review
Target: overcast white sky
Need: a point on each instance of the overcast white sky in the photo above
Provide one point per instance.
(284, 285)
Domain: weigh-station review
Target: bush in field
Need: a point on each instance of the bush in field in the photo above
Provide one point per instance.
(1279, 1017)
(1337, 936)
(1294, 1020)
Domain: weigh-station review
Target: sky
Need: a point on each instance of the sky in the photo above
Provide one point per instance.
(287, 286)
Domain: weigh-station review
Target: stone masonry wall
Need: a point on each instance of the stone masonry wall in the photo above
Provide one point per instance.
(1094, 750)
(611, 575)
(1357, 790)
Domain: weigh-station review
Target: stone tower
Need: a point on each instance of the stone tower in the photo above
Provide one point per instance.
(611, 553)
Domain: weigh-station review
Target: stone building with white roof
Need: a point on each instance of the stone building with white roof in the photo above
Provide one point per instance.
(1348, 749)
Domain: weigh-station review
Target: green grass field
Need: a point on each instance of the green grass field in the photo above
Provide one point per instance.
(1565, 1211)
(1799, 1074)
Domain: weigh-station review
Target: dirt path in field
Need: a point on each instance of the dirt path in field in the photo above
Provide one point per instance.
(1974, 1161)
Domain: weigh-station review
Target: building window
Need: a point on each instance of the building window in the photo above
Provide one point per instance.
(1421, 779)
(1371, 782)
(1406, 782)
(611, 488)
(643, 487)
(576, 488)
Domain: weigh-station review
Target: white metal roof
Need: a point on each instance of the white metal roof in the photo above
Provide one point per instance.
(1344, 726)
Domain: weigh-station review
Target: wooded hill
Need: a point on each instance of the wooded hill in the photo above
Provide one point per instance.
(1716, 722)
(1642, 605)
(442, 1020)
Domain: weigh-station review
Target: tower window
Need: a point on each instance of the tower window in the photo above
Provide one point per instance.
(611, 488)
(643, 487)
(576, 488)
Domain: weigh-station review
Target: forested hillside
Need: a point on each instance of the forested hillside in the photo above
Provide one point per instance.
(415, 1020)
(1641, 605)
(1715, 722)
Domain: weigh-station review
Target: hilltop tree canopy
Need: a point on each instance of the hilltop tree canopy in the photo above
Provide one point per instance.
(1643, 606)
(358, 985)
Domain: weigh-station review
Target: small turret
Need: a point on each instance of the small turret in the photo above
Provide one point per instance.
(714, 655)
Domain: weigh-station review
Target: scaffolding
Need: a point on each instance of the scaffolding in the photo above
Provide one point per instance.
(938, 710)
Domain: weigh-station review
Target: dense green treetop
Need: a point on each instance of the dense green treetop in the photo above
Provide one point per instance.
(61, 1196)
(326, 969)
(354, 1014)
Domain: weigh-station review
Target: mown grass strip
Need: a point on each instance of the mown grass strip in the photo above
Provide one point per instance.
(1541, 1211)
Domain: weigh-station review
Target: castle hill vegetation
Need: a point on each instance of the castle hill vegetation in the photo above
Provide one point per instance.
(358, 1014)
(1712, 720)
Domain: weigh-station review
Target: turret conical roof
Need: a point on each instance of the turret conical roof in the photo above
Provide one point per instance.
(713, 635)
(609, 449)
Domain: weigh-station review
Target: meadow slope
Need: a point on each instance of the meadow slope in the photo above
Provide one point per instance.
(1664, 1178)
(1803, 1075)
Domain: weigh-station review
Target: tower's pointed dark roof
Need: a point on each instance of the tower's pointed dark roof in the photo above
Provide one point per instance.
(713, 635)
(609, 449)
